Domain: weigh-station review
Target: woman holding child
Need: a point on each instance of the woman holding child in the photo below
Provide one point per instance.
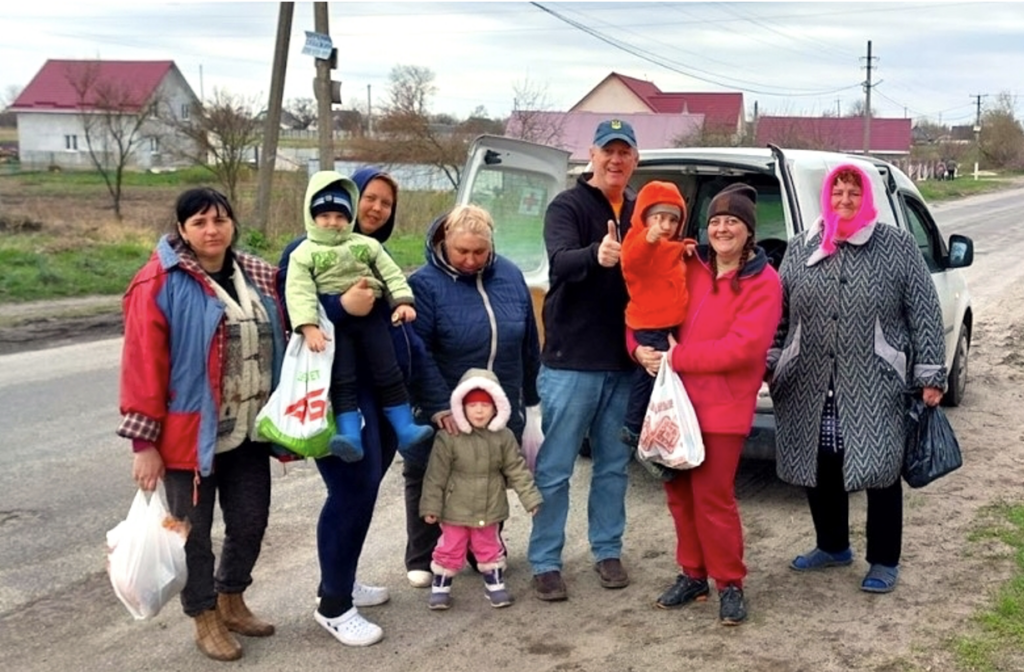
(734, 304)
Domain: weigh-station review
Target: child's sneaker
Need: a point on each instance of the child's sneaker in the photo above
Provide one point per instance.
(494, 584)
(440, 592)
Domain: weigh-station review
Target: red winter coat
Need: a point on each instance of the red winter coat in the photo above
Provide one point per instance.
(654, 272)
(724, 341)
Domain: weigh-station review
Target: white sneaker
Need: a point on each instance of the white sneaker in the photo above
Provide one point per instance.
(369, 596)
(350, 628)
(420, 578)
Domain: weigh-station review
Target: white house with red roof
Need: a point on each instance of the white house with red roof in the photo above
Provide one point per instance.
(53, 109)
(618, 94)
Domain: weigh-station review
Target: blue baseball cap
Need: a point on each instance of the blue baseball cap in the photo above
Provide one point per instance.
(614, 129)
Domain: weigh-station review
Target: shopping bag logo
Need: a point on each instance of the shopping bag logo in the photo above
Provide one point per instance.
(662, 434)
(309, 408)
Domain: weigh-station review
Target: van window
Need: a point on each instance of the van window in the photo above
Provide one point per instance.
(517, 201)
(771, 216)
(925, 233)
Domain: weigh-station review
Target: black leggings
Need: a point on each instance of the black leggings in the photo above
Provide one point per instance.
(830, 509)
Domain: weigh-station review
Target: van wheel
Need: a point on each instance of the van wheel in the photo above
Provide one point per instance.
(957, 380)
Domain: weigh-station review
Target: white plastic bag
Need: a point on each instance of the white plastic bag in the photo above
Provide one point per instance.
(298, 413)
(533, 436)
(146, 555)
(671, 434)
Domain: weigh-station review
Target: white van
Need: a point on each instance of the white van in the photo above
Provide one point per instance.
(515, 180)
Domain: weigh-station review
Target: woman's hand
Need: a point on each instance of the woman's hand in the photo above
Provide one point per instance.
(446, 421)
(430, 520)
(931, 395)
(358, 300)
(147, 468)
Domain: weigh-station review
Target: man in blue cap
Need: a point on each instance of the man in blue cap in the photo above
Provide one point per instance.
(584, 380)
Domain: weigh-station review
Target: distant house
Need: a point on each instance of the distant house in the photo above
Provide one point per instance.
(53, 109)
(574, 131)
(618, 94)
(889, 137)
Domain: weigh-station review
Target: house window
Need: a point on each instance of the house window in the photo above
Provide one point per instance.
(71, 143)
(186, 111)
(154, 145)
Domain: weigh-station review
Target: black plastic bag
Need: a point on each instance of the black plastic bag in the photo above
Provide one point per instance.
(931, 450)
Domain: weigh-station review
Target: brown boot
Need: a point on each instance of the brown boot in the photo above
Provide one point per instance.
(238, 618)
(213, 638)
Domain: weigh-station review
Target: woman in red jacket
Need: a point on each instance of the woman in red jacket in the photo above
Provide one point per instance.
(734, 307)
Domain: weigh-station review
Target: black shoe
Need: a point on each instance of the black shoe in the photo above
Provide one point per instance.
(684, 591)
(732, 610)
(659, 471)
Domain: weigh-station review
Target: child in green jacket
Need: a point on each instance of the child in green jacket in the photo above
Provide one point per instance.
(331, 260)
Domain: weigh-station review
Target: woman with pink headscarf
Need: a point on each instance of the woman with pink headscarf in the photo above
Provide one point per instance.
(861, 325)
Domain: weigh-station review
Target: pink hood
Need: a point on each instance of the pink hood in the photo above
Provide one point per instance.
(832, 225)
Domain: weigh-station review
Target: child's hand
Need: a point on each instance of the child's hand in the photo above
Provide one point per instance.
(403, 313)
(657, 231)
(534, 510)
(689, 247)
(430, 520)
(315, 339)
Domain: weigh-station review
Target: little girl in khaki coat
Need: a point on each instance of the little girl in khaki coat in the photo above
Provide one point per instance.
(464, 487)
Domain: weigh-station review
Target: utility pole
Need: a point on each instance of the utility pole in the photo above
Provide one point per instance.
(369, 112)
(867, 103)
(839, 108)
(272, 127)
(977, 132)
(325, 121)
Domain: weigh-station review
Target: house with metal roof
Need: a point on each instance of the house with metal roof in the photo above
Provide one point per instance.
(62, 104)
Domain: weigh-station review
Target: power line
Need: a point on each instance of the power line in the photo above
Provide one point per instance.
(675, 67)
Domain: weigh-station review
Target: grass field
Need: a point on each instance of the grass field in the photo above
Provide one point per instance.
(58, 236)
(934, 190)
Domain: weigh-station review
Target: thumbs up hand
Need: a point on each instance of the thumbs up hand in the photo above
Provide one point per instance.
(610, 249)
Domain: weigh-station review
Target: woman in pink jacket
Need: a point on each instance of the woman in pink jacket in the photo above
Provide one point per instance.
(734, 308)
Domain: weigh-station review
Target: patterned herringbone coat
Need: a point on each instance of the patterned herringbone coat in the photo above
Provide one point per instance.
(870, 316)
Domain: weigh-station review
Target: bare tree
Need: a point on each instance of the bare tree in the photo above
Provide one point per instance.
(113, 115)
(857, 107)
(532, 118)
(8, 119)
(1002, 138)
(303, 111)
(407, 131)
(410, 90)
(223, 134)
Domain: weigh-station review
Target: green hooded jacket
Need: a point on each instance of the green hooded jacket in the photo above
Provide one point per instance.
(330, 262)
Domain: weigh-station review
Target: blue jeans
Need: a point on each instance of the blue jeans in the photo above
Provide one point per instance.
(575, 404)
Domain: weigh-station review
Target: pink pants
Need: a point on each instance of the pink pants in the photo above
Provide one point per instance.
(456, 540)
(709, 535)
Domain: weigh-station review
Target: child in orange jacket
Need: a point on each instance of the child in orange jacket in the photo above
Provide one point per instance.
(652, 264)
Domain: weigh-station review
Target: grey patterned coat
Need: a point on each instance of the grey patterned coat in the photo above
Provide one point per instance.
(870, 316)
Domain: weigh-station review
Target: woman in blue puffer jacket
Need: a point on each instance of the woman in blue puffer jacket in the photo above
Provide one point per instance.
(473, 310)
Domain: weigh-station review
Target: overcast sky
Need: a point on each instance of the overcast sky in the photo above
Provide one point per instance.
(791, 58)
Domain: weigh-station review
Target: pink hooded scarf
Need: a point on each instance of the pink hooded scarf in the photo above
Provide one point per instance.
(842, 229)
